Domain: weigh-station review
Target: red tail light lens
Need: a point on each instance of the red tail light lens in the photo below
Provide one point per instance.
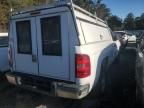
(83, 67)
(10, 56)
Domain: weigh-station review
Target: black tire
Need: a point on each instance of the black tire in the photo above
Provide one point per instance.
(140, 97)
(2, 76)
(102, 81)
(99, 90)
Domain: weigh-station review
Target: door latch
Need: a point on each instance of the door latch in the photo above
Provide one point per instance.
(101, 37)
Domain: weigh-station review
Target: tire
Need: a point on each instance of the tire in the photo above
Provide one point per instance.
(2, 76)
(102, 82)
(99, 90)
(140, 96)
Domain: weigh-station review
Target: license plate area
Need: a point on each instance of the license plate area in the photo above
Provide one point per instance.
(38, 84)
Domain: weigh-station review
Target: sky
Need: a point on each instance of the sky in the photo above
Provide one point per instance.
(122, 7)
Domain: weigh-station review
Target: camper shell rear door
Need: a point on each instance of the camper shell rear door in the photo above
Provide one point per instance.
(45, 37)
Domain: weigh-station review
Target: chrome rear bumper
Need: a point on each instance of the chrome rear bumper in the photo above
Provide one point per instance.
(53, 88)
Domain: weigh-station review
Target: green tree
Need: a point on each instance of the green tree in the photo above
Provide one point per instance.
(129, 22)
(115, 23)
(7, 5)
(102, 11)
(86, 4)
(139, 22)
(97, 7)
(4, 10)
(4, 15)
(142, 21)
(18, 4)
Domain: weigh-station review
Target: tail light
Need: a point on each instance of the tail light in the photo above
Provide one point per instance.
(83, 67)
(10, 56)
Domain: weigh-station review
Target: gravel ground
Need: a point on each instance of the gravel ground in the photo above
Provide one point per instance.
(120, 92)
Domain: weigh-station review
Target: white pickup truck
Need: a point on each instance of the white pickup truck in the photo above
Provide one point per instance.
(3, 52)
(59, 49)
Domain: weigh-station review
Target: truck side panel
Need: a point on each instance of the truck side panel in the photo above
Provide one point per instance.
(98, 46)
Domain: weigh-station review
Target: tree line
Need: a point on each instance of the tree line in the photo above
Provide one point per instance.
(7, 5)
(129, 23)
(94, 6)
(115, 23)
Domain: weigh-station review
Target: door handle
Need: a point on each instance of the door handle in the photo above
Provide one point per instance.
(101, 37)
(34, 58)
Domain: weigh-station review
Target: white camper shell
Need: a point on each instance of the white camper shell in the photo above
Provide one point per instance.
(59, 49)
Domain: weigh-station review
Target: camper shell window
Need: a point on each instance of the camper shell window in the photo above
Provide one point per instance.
(23, 30)
(51, 36)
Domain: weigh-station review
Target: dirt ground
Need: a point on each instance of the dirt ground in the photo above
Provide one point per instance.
(121, 90)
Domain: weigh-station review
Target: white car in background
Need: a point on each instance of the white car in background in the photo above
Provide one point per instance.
(121, 36)
(132, 38)
(3, 52)
(116, 39)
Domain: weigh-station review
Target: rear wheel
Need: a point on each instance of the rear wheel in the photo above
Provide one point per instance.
(102, 81)
(140, 96)
(100, 88)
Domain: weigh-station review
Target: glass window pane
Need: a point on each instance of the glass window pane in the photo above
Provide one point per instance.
(51, 36)
(23, 29)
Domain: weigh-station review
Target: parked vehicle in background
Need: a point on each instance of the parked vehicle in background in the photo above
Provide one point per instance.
(118, 44)
(116, 39)
(122, 36)
(60, 49)
(131, 38)
(140, 36)
(3, 52)
(140, 73)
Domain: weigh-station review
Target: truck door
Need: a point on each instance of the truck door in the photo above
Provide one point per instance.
(53, 47)
(25, 45)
